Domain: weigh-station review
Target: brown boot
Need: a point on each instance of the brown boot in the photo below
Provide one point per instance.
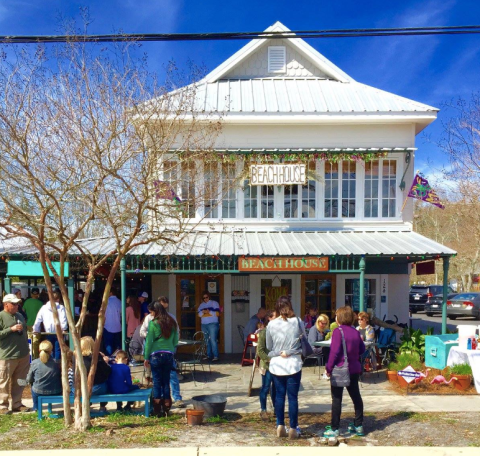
(158, 407)
(167, 405)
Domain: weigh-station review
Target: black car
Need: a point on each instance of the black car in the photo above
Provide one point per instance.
(434, 304)
(420, 295)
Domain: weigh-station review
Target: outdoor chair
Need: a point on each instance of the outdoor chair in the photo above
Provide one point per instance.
(197, 358)
(318, 361)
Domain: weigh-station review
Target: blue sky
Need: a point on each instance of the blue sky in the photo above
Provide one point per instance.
(431, 69)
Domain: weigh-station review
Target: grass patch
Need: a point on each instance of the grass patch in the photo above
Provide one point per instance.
(50, 425)
(421, 417)
(216, 419)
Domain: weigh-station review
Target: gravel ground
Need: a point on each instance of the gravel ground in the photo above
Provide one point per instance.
(132, 431)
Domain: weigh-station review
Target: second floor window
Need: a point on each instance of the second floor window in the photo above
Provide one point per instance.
(258, 196)
(380, 188)
(299, 201)
(229, 191)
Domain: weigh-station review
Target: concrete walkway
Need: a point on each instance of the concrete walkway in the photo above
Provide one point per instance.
(231, 380)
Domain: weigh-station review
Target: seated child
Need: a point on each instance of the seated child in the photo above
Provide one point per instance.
(44, 374)
(120, 380)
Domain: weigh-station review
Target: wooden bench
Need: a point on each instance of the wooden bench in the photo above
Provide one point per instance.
(141, 395)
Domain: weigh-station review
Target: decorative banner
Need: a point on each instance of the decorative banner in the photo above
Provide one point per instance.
(421, 190)
(163, 190)
(278, 174)
(426, 267)
(276, 264)
(272, 294)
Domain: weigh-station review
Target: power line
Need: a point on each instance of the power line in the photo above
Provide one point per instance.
(338, 33)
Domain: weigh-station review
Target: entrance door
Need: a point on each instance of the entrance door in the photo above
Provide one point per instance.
(319, 291)
(190, 289)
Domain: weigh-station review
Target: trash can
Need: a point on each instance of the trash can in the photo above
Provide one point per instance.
(437, 349)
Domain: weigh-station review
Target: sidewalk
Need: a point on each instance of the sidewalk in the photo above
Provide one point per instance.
(231, 380)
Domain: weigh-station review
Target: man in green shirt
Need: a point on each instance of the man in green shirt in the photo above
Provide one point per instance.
(31, 307)
(14, 355)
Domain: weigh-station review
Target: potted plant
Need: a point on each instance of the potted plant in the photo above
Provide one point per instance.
(392, 372)
(413, 342)
(462, 374)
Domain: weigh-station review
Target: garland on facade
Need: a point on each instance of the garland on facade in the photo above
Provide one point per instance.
(330, 157)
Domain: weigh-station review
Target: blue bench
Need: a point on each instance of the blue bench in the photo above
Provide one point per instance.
(141, 395)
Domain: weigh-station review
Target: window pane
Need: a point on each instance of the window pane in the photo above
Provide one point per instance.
(331, 190)
(229, 194)
(371, 188)
(348, 189)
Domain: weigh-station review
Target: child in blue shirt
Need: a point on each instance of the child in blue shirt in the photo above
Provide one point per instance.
(120, 379)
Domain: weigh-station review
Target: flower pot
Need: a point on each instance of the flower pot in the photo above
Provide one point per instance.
(462, 382)
(194, 417)
(392, 376)
(401, 381)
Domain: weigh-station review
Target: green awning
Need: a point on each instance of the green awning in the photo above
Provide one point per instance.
(31, 269)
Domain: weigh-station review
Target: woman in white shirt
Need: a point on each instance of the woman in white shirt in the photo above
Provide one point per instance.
(283, 341)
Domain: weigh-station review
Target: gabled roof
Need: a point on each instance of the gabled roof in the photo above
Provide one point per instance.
(300, 96)
(327, 94)
(304, 48)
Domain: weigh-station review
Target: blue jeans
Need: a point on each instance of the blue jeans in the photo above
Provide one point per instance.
(287, 385)
(57, 353)
(162, 364)
(267, 385)
(174, 384)
(211, 334)
(111, 341)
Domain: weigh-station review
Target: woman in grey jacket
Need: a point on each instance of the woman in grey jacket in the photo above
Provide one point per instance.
(44, 374)
(283, 341)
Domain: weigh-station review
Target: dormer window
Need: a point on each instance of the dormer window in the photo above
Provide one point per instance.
(277, 56)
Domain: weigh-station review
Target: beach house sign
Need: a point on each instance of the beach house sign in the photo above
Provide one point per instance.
(278, 174)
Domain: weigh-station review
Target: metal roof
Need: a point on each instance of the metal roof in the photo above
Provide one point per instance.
(281, 243)
(295, 95)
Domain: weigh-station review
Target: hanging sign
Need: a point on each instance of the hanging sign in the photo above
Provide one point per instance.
(278, 174)
(272, 294)
(296, 264)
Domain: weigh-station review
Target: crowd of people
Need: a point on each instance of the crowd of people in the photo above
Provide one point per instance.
(156, 332)
(157, 335)
(279, 348)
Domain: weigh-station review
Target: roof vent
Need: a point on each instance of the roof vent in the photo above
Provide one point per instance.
(276, 59)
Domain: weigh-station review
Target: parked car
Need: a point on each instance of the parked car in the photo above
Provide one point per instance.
(420, 294)
(434, 304)
(464, 305)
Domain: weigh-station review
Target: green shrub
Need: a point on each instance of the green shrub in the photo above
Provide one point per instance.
(405, 359)
(460, 369)
(413, 341)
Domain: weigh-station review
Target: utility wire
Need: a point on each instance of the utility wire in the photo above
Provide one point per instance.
(339, 33)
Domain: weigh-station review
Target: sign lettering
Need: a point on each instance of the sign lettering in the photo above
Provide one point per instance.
(278, 174)
(296, 264)
(272, 294)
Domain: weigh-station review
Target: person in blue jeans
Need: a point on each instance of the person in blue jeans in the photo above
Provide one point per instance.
(174, 383)
(267, 378)
(209, 312)
(44, 374)
(162, 338)
(283, 342)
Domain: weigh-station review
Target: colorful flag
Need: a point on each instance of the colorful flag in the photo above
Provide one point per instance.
(421, 190)
(163, 190)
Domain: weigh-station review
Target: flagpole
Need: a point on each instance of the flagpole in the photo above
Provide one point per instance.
(404, 203)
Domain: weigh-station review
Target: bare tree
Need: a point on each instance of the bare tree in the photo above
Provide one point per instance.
(86, 134)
